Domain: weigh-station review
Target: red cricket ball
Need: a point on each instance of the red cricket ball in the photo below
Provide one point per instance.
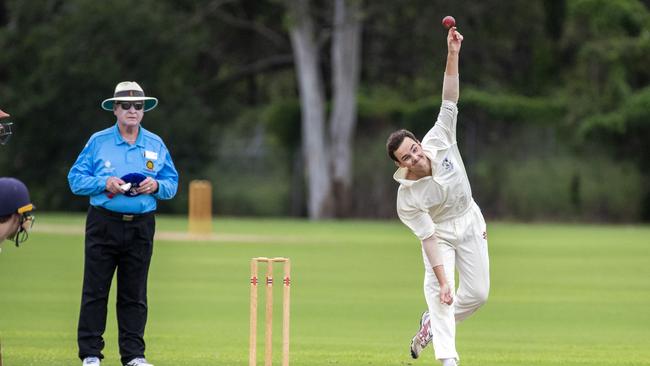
(448, 21)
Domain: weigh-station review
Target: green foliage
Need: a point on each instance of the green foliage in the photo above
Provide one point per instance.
(552, 78)
(282, 120)
(515, 107)
(380, 108)
(598, 19)
(250, 176)
(60, 60)
(60, 69)
(608, 41)
(374, 197)
(245, 194)
(420, 115)
(531, 175)
(571, 188)
(634, 112)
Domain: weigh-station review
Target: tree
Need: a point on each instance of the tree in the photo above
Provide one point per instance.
(328, 170)
(345, 65)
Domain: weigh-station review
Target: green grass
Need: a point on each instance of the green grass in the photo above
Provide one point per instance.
(561, 295)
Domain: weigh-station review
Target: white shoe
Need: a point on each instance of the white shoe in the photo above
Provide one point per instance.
(423, 337)
(90, 361)
(138, 362)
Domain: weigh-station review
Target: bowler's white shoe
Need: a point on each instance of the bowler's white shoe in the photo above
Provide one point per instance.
(90, 361)
(449, 362)
(138, 362)
(423, 337)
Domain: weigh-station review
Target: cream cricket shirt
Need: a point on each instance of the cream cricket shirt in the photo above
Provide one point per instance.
(444, 195)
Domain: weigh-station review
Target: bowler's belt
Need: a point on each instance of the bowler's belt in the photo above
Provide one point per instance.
(123, 216)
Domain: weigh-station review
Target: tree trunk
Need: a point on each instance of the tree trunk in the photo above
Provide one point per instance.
(297, 192)
(312, 104)
(345, 78)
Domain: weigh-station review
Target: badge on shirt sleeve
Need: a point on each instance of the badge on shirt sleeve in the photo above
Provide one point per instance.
(447, 164)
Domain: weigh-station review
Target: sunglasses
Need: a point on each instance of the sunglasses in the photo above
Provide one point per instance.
(127, 105)
(25, 224)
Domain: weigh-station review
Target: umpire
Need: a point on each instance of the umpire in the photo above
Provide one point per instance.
(124, 169)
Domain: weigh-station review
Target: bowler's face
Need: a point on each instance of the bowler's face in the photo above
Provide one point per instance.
(130, 117)
(411, 156)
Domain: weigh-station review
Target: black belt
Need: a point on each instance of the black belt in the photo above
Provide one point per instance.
(123, 216)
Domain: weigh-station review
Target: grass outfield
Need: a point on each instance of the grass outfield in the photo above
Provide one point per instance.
(561, 295)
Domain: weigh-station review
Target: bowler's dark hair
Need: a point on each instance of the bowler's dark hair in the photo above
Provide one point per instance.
(5, 218)
(395, 139)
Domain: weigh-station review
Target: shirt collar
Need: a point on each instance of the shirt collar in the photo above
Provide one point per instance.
(139, 141)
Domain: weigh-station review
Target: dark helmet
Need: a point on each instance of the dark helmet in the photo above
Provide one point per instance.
(14, 197)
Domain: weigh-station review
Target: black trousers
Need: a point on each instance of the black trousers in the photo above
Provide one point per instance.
(113, 243)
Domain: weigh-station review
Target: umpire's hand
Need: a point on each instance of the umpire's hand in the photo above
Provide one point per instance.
(113, 185)
(148, 186)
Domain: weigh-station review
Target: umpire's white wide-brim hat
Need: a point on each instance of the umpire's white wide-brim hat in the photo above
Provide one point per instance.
(129, 91)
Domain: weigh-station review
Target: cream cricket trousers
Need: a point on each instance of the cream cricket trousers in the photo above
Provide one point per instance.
(462, 243)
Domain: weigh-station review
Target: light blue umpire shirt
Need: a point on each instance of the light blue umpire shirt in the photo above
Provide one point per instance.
(107, 154)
